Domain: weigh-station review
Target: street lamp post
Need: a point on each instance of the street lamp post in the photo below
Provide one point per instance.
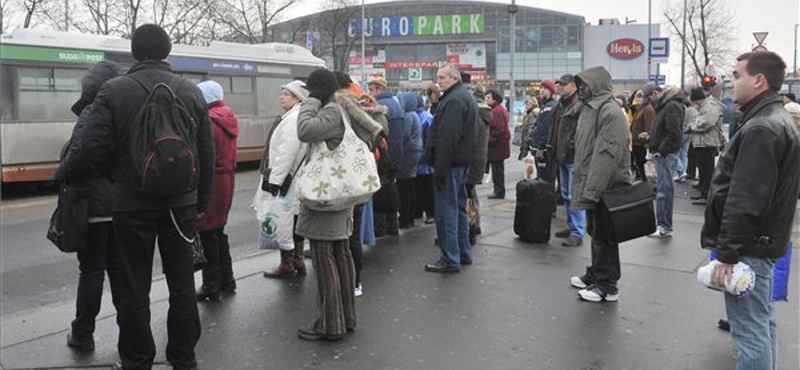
(795, 50)
(649, 27)
(683, 49)
(512, 10)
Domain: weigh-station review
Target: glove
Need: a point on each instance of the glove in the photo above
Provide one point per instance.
(270, 188)
(318, 94)
(522, 154)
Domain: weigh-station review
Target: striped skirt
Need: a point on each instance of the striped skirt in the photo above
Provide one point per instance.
(333, 265)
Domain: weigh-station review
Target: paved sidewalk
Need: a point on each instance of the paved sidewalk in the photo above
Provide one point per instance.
(512, 309)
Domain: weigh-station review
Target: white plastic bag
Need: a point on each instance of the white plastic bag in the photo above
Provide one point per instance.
(276, 222)
(530, 166)
(742, 282)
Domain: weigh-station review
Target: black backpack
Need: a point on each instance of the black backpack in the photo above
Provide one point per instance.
(162, 144)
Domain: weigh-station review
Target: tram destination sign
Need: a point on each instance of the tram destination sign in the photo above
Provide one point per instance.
(202, 64)
(44, 54)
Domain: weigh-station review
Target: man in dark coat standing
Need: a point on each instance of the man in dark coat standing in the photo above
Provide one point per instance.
(450, 150)
(751, 204)
(499, 145)
(540, 134)
(140, 219)
(388, 223)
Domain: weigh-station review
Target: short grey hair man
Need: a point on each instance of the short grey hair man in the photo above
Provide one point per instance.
(452, 70)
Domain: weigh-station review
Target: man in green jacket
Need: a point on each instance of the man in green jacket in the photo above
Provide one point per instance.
(602, 160)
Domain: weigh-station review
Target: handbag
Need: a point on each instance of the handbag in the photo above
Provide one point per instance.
(199, 260)
(628, 211)
(334, 180)
(69, 224)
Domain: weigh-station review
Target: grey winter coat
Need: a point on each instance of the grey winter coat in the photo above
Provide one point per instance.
(317, 123)
(602, 139)
(707, 127)
(478, 166)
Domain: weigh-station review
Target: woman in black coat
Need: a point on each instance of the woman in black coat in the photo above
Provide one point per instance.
(99, 255)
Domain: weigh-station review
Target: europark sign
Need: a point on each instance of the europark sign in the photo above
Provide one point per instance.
(44, 54)
(422, 25)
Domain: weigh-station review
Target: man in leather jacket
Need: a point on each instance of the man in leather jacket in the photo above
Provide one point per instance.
(751, 203)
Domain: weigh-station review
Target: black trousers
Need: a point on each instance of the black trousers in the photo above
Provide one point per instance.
(638, 159)
(605, 270)
(136, 234)
(704, 157)
(100, 256)
(407, 201)
(356, 248)
(499, 178)
(691, 167)
(219, 270)
(423, 186)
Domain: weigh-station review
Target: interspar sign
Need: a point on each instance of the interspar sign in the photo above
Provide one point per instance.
(625, 48)
(423, 25)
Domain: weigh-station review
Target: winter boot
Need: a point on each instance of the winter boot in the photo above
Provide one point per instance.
(299, 264)
(285, 269)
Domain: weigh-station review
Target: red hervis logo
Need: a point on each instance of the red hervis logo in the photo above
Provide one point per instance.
(625, 48)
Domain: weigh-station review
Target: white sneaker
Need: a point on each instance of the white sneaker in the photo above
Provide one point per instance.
(661, 233)
(359, 291)
(486, 178)
(577, 282)
(594, 294)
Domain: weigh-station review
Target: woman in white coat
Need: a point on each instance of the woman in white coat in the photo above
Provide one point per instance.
(285, 153)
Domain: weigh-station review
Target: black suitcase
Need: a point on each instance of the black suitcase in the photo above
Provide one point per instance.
(534, 210)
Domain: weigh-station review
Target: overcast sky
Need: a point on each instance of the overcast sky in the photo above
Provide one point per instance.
(777, 17)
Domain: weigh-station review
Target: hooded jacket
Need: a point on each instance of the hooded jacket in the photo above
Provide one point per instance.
(316, 123)
(753, 194)
(455, 131)
(706, 128)
(499, 135)
(667, 133)
(286, 152)
(108, 124)
(225, 126)
(396, 118)
(412, 138)
(425, 121)
(74, 168)
(602, 158)
(478, 166)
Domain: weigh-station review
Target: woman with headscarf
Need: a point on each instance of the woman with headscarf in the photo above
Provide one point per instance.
(286, 154)
(321, 120)
(218, 273)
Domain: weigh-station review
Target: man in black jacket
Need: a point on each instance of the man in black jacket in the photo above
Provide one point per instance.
(751, 203)
(138, 220)
(450, 149)
(665, 145)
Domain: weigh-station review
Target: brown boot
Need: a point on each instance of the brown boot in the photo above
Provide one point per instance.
(285, 269)
(299, 264)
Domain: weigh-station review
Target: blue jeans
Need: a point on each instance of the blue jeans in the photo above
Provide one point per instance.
(752, 320)
(452, 221)
(575, 219)
(683, 162)
(665, 192)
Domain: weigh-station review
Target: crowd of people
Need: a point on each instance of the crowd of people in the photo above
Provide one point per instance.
(430, 155)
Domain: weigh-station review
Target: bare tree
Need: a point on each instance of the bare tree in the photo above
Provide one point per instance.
(6, 10)
(333, 26)
(249, 20)
(183, 19)
(31, 7)
(101, 14)
(708, 37)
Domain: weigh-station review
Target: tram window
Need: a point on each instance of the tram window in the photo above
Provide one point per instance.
(225, 81)
(269, 90)
(195, 78)
(60, 88)
(242, 85)
(67, 79)
(35, 79)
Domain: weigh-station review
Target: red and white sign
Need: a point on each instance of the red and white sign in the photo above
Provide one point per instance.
(625, 49)
(405, 65)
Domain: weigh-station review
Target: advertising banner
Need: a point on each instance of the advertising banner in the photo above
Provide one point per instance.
(423, 25)
(467, 55)
(51, 54)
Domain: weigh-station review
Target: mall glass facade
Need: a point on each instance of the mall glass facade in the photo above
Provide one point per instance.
(407, 40)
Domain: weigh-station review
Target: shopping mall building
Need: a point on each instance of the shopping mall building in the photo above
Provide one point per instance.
(406, 41)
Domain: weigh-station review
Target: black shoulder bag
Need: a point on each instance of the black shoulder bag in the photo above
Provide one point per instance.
(627, 209)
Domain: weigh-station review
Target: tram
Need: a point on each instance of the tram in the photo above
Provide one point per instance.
(40, 79)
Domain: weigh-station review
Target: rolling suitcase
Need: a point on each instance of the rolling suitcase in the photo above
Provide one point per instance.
(534, 210)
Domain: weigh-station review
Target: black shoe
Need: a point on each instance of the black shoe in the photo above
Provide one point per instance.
(696, 197)
(393, 233)
(429, 220)
(307, 334)
(206, 293)
(466, 261)
(572, 241)
(696, 186)
(84, 346)
(563, 233)
(723, 324)
(229, 287)
(699, 202)
(441, 267)
(496, 197)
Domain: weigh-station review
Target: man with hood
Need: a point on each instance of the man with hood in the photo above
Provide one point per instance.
(386, 223)
(665, 146)
(706, 130)
(140, 219)
(423, 184)
(412, 150)
(602, 162)
(475, 175)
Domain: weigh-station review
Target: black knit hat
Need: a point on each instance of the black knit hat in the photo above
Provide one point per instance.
(321, 84)
(697, 94)
(150, 42)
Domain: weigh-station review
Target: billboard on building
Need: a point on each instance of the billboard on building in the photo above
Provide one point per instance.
(467, 55)
(619, 48)
(422, 25)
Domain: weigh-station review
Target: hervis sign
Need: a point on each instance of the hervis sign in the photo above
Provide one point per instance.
(625, 49)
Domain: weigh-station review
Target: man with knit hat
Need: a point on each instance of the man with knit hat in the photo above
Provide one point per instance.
(706, 130)
(138, 218)
(540, 135)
